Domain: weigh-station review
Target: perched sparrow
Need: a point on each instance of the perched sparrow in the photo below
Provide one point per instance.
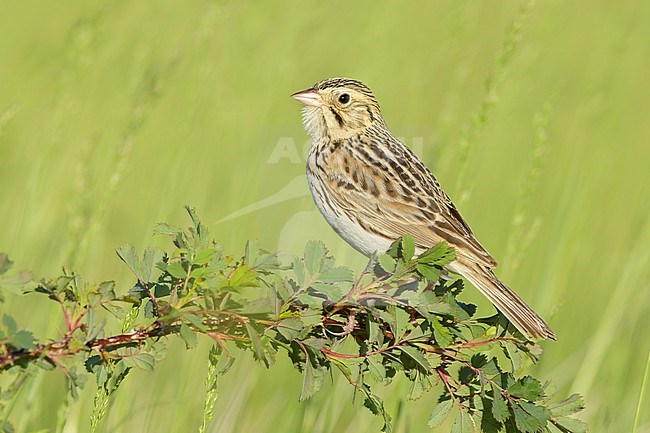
(372, 189)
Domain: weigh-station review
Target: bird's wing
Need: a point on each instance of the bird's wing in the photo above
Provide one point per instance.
(390, 192)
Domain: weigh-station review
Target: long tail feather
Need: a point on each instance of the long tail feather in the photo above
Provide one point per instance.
(505, 300)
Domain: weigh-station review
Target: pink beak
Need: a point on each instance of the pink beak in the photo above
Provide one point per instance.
(308, 97)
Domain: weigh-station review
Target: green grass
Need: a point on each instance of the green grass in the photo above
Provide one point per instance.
(113, 115)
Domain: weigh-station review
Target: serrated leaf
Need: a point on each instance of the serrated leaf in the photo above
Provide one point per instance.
(176, 270)
(541, 414)
(299, 270)
(525, 422)
(149, 310)
(441, 334)
(513, 355)
(429, 272)
(195, 320)
(204, 256)
(337, 274)
(315, 252)
(575, 403)
(15, 283)
(484, 417)
(499, 406)
(478, 360)
(440, 254)
(376, 406)
(440, 413)
(201, 272)
(376, 369)
(571, 424)
(491, 367)
(417, 356)
(127, 254)
(527, 388)
(167, 229)
(143, 361)
(148, 266)
(257, 345)
(311, 382)
(188, 336)
(386, 262)
(290, 328)
(251, 253)
(331, 291)
(23, 339)
(402, 319)
(463, 423)
(408, 247)
(315, 343)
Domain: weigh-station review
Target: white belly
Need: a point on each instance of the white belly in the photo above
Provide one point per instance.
(365, 242)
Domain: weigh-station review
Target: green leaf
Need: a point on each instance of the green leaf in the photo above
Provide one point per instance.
(331, 291)
(440, 254)
(402, 319)
(311, 382)
(376, 369)
(127, 254)
(417, 356)
(10, 324)
(259, 352)
(167, 229)
(23, 339)
(315, 343)
(176, 270)
(204, 256)
(148, 267)
(143, 361)
(15, 283)
(299, 270)
(527, 388)
(440, 413)
(315, 252)
(251, 253)
(514, 355)
(441, 334)
(149, 310)
(336, 275)
(375, 405)
(491, 367)
(429, 272)
(290, 328)
(525, 422)
(463, 423)
(575, 403)
(571, 424)
(485, 418)
(188, 336)
(541, 414)
(387, 263)
(499, 406)
(408, 247)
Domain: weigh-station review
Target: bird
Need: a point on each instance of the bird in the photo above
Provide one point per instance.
(372, 189)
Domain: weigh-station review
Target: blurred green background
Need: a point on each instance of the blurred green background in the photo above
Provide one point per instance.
(115, 114)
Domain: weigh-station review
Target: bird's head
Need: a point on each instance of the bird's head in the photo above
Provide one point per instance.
(338, 108)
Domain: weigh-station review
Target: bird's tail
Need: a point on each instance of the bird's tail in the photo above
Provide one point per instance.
(505, 300)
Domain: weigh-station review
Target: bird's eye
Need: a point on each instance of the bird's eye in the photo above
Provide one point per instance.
(344, 98)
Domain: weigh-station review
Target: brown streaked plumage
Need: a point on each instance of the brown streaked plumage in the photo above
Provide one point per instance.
(372, 189)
